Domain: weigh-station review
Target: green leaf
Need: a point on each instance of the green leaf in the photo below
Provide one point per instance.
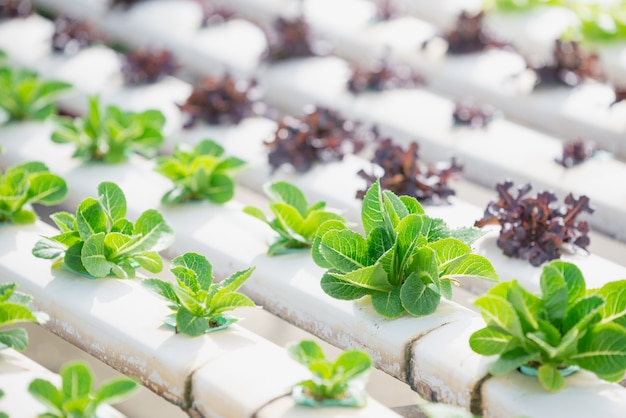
(499, 314)
(93, 256)
(76, 380)
(73, 259)
(394, 208)
(372, 210)
(285, 192)
(221, 188)
(614, 309)
(527, 306)
(163, 288)
(11, 313)
(24, 217)
(511, 360)
(190, 324)
(371, 277)
(150, 261)
(48, 249)
(314, 220)
(603, 351)
(316, 254)
(378, 242)
(47, 189)
(156, 234)
(115, 391)
(229, 301)
(46, 393)
(340, 289)
(353, 363)
(554, 290)
(412, 205)
(112, 200)
(550, 378)
(90, 218)
(471, 265)
(583, 314)
(64, 221)
(345, 250)
(306, 352)
(199, 265)
(448, 249)
(488, 341)
(388, 304)
(417, 298)
(189, 301)
(574, 279)
(15, 338)
(289, 219)
(256, 212)
(235, 280)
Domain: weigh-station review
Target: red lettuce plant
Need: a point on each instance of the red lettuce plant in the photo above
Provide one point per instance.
(289, 39)
(468, 113)
(404, 174)
(320, 135)
(469, 35)
(570, 66)
(10, 9)
(382, 76)
(144, 66)
(576, 152)
(71, 35)
(220, 100)
(534, 228)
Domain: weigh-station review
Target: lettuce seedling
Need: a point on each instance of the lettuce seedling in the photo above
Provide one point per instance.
(24, 96)
(99, 241)
(197, 303)
(565, 326)
(76, 397)
(13, 309)
(294, 221)
(202, 173)
(341, 380)
(111, 135)
(406, 261)
(25, 184)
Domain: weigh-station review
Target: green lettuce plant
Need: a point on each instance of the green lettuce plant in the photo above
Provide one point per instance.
(112, 135)
(99, 241)
(599, 23)
(24, 96)
(518, 5)
(76, 398)
(565, 326)
(338, 382)
(294, 221)
(202, 173)
(405, 262)
(198, 304)
(24, 184)
(14, 308)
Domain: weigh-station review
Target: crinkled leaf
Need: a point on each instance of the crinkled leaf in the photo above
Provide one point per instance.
(90, 218)
(199, 265)
(371, 277)
(603, 351)
(345, 250)
(340, 289)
